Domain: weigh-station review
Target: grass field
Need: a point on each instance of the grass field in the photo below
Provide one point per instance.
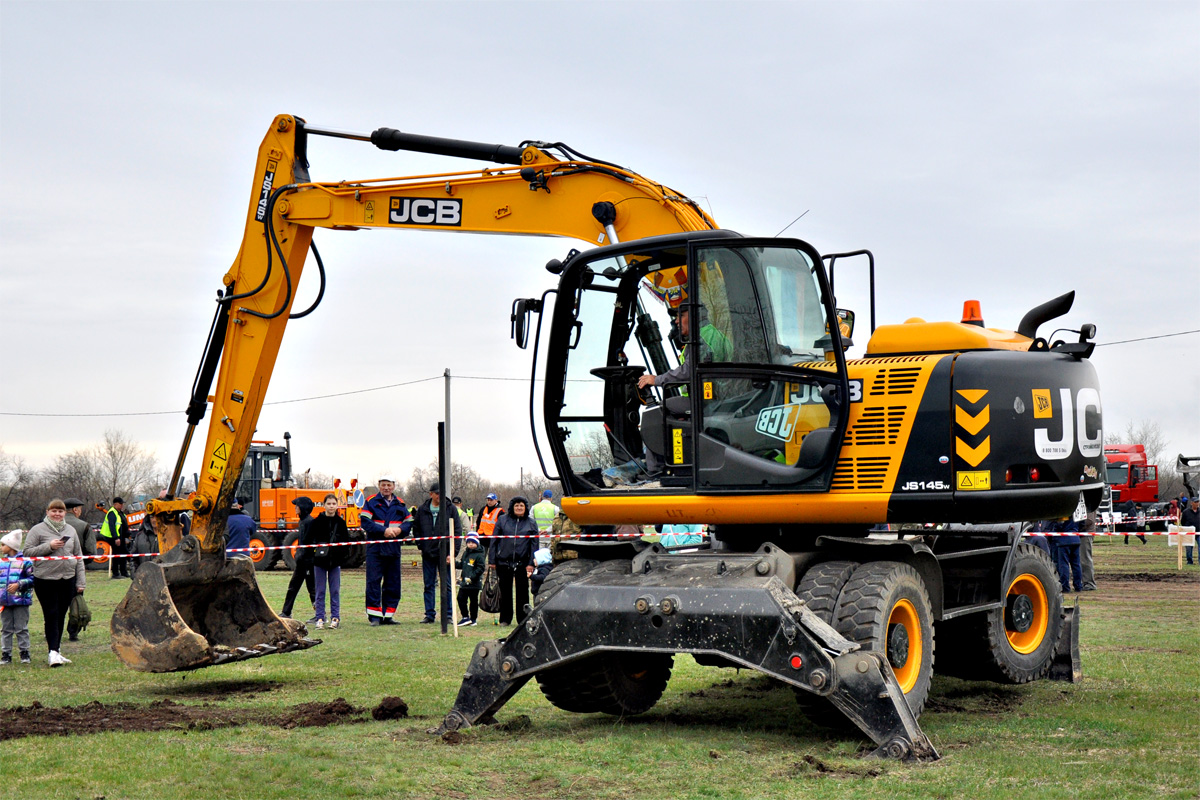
(1131, 729)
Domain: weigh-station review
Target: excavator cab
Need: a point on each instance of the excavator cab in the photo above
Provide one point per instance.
(752, 387)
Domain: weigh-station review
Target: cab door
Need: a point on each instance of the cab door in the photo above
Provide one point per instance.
(768, 388)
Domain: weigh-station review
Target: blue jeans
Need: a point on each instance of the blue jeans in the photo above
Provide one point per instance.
(430, 571)
(334, 577)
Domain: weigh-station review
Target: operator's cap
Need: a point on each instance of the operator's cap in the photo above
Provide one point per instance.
(547, 493)
(492, 496)
(456, 499)
(71, 502)
(13, 539)
(383, 478)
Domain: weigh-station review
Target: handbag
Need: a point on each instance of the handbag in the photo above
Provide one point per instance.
(321, 552)
(489, 598)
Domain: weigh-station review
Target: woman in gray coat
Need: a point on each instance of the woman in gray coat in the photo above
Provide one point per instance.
(55, 582)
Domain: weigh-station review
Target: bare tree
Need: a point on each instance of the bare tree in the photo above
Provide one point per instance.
(19, 494)
(121, 466)
(1148, 434)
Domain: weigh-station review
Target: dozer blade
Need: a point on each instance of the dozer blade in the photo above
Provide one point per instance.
(191, 609)
(720, 607)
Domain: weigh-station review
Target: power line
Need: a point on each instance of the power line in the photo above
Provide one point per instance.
(1147, 338)
(296, 400)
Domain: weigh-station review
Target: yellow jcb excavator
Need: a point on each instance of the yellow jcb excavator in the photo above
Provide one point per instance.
(747, 417)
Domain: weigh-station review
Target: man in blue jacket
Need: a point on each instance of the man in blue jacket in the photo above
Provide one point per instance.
(384, 517)
(238, 528)
(1068, 555)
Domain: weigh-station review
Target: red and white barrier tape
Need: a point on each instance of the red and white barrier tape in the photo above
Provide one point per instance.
(249, 550)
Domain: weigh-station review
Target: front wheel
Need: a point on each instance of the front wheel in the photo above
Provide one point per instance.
(617, 683)
(885, 607)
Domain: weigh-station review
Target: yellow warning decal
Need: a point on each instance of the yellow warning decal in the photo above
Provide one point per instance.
(972, 395)
(369, 211)
(677, 446)
(974, 481)
(221, 452)
(220, 457)
(708, 390)
(1042, 407)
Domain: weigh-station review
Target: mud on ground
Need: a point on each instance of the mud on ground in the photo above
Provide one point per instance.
(96, 717)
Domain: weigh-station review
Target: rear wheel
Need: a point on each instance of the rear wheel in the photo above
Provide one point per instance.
(1015, 644)
(885, 607)
(291, 544)
(263, 558)
(819, 589)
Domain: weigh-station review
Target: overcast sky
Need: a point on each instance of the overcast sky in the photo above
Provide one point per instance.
(999, 151)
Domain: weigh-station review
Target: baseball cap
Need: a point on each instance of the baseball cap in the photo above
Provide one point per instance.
(437, 487)
(492, 496)
(547, 493)
(386, 478)
(456, 499)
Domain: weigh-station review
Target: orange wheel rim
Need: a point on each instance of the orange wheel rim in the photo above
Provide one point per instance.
(1026, 642)
(103, 551)
(294, 548)
(258, 550)
(904, 613)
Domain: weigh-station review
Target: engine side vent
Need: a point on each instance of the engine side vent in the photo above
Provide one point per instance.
(860, 474)
(900, 380)
(877, 425)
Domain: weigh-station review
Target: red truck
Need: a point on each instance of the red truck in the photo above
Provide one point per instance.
(1132, 480)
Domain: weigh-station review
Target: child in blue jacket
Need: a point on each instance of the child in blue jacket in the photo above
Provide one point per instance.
(16, 596)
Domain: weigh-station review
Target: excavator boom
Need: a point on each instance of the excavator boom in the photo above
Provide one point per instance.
(160, 626)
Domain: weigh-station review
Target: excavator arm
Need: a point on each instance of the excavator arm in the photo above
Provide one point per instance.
(196, 608)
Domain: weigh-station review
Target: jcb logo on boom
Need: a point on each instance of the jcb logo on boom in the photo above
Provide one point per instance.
(424, 211)
(1074, 423)
(265, 190)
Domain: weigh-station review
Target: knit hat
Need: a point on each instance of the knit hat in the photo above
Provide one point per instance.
(542, 556)
(13, 539)
(473, 537)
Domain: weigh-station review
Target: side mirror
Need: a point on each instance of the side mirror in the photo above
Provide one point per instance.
(845, 318)
(519, 320)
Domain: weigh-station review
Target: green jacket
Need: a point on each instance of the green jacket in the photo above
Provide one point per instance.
(471, 566)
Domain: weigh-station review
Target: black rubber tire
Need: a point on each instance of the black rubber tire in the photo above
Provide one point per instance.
(563, 574)
(982, 649)
(270, 557)
(293, 537)
(617, 683)
(865, 607)
(819, 589)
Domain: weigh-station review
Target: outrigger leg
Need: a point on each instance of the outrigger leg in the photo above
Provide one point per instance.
(728, 608)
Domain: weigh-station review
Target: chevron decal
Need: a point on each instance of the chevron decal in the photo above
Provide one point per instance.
(972, 395)
(973, 455)
(972, 424)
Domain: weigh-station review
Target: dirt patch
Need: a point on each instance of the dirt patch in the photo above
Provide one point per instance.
(809, 766)
(986, 700)
(218, 690)
(96, 717)
(1149, 577)
(390, 708)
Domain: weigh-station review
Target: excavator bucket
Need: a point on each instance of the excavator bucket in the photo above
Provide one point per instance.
(191, 609)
